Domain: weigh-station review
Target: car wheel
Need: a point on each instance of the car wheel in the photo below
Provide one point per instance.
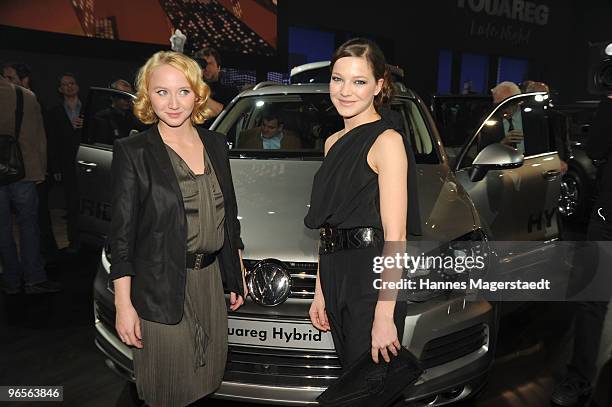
(571, 197)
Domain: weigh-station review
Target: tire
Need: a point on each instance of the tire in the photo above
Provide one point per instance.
(572, 198)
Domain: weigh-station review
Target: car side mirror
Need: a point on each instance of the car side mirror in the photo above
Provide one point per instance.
(495, 157)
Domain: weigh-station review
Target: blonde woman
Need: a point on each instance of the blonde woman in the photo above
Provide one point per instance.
(174, 237)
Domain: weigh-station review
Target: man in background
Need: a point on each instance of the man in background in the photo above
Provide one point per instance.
(271, 135)
(508, 128)
(116, 121)
(27, 267)
(19, 73)
(65, 122)
(512, 117)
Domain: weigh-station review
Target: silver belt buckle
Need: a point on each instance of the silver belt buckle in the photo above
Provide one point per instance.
(368, 235)
(198, 261)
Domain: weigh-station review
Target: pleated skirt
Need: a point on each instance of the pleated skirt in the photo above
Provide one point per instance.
(182, 363)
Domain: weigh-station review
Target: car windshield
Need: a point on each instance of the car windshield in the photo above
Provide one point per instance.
(296, 125)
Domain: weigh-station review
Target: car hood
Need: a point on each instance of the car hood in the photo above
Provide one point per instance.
(273, 198)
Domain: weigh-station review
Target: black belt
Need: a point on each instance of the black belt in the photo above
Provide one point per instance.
(334, 239)
(198, 261)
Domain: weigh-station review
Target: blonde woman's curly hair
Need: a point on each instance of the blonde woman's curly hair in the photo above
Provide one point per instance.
(142, 105)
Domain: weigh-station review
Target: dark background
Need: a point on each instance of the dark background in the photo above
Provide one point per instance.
(411, 36)
(49, 339)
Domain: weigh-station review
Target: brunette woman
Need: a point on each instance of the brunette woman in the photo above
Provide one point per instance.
(174, 237)
(359, 202)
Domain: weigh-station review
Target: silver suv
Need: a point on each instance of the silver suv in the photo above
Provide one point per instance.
(275, 355)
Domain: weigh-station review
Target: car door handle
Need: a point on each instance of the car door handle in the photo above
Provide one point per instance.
(87, 167)
(550, 174)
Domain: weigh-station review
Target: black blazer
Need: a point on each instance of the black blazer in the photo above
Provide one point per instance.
(149, 227)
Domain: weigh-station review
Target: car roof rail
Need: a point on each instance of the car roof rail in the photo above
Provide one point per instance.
(317, 71)
(265, 84)
(309, 67)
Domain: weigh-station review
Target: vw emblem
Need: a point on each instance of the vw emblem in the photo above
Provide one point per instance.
(269, 283)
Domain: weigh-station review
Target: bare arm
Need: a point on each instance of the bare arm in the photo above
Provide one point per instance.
(388, 159)
(318, 315)
(123, 286)
(127, 322)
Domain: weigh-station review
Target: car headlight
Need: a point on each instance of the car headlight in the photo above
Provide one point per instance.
(468, 256)
(106, 257)
(473, 245)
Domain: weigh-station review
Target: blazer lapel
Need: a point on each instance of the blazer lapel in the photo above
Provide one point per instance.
(158, 149)
(211, 145)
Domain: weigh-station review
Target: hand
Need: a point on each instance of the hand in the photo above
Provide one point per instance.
(77, 122)
(244, 273)
(513, 138)
(317, 313)
(384, 337)
(563, 167)
(236, 301)
(127, 324)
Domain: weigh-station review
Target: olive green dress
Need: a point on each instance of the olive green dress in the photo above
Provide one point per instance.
(182, 363)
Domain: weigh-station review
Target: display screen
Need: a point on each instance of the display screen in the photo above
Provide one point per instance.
(237, 26)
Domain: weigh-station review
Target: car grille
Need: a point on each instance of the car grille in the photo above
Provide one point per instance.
(281, 367)
(453, 346)
(299, 368)
(303, 277)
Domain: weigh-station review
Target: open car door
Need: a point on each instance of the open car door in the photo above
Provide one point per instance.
(518, 204)
(457, 118)
(108, 116)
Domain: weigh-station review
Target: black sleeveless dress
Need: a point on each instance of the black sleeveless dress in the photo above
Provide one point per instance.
(345, 195)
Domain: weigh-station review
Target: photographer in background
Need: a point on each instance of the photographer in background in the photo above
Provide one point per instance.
(590, 316)
(220, 94)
